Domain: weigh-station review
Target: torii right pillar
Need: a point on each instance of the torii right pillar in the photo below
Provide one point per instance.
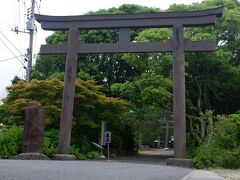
(179, 110)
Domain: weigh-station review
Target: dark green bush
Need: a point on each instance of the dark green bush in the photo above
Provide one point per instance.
(193, 142)
(228, 159)
(84, 155)
(11, 144)
(222, 145)
(76, 152)
(11, 141)
(93, 155)
(81, 142)
(80, 146)
(50, 142)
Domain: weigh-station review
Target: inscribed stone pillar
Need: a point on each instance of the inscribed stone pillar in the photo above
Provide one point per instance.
(33, 134)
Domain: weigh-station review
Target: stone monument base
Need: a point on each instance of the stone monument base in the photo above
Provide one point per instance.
(182, 162)
(63, 157)
(30, 156)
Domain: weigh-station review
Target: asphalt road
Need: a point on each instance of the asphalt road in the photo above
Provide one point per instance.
(87, 170)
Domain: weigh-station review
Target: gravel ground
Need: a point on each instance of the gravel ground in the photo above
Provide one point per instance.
(229, 174)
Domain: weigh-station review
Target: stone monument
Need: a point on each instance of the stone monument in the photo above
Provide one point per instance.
(33, 134)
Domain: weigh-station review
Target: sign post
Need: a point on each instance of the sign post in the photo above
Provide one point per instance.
(108, 135)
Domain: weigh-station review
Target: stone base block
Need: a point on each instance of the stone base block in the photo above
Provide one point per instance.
(30, 156)
(62, 157)
(180, 162)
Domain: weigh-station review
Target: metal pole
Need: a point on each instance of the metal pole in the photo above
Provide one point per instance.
(108, 150)
(30, 49)
(166, 135)
(179, 114)
(68, 92)
(140, 141)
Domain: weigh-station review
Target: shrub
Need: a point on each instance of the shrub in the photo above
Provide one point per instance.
(84, 155)
(11, 144)
(11, 141)
(76, 152)
(81, 142)
(93, 155)
(222, 146)
(80, 146)
(50, 142)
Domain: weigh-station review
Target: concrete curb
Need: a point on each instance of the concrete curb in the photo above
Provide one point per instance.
(181, 162)
(202, 175)
(63, 157)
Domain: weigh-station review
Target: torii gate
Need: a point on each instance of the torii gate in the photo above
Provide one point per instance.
(124, 22)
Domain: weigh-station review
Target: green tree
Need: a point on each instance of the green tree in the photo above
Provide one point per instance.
(90, 108)
(114, 67)
(151, 95)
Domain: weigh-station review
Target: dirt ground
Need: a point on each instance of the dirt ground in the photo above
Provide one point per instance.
(156, 152)
(229, 174)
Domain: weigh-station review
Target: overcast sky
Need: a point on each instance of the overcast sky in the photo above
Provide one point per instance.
(12, 14)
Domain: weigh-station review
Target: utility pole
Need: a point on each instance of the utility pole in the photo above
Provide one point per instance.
(30, 27)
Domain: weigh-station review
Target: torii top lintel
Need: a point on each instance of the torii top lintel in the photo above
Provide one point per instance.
(124, 22)
(157, 19)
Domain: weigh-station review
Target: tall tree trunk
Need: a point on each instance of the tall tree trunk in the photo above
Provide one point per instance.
(190, 124)
(202, 133)
(202, 122)
(140, 141)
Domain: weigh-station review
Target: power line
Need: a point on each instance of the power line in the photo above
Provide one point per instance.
(24, 3)
(38, 7)
(19, 21)
(14, 12)
(19, 71)
(10, 42)
(9, 59)
(11, 51)
(19, 11)
(24, 21)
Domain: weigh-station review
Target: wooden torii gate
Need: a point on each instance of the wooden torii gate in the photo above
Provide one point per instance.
(124, 22)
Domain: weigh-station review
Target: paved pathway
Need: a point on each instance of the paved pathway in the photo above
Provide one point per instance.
(147, 156)
(87, 170)
(156, 152)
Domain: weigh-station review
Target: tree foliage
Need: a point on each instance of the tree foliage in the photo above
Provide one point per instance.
(222, 146)
(90, 108)
(10, 141)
